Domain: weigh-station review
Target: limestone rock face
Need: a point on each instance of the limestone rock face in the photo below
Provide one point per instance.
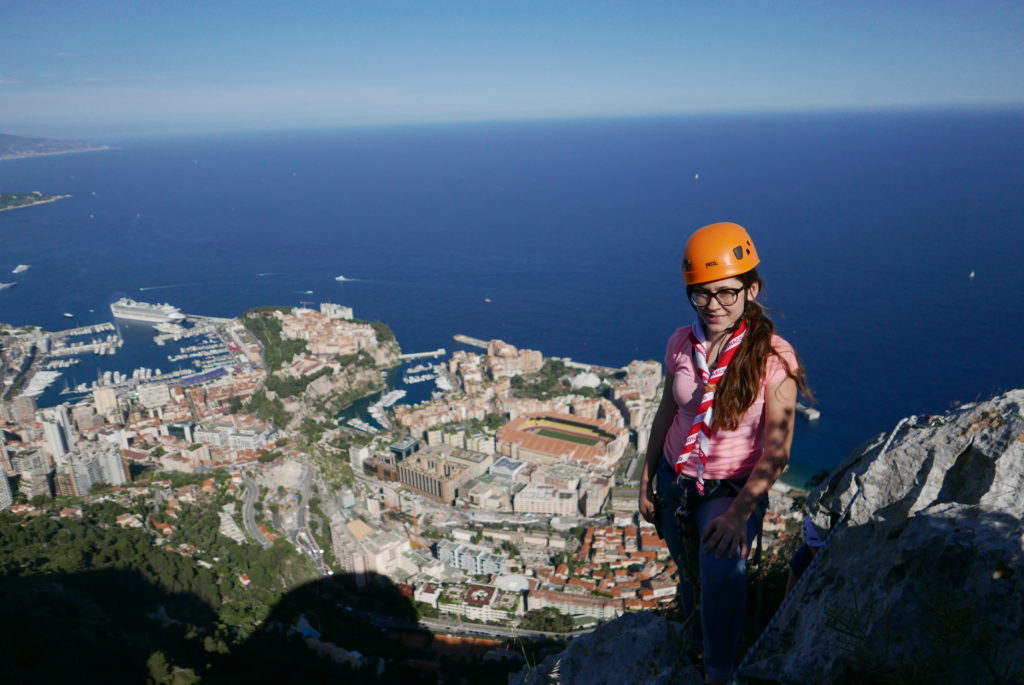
(922, 579)
(633, 649)
(344, 381)
(385, 354)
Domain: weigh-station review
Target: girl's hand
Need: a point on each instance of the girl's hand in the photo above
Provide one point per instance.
(646, 504)
(726, 534)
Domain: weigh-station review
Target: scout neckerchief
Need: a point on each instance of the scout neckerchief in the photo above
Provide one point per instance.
(700, 431)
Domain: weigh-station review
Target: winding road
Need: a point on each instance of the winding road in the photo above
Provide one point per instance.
(249, 512)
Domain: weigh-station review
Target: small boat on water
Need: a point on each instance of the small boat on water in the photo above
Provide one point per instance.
(5, 286)
(20, 268)
(340, 278)
(70, 316)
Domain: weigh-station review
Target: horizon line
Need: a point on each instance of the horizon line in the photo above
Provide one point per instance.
(940, 108)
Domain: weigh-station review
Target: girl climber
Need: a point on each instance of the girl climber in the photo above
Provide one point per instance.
(721, 436)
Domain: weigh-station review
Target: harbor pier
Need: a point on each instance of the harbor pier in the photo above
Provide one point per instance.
(473, 342)
(439, 352)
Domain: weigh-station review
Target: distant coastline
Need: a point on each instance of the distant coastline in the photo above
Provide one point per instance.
(46, 153)
(9, 201)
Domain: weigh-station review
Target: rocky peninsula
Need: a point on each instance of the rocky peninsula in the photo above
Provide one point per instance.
(10, 201)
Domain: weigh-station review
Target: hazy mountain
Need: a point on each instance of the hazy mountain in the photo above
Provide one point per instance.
(12, 147)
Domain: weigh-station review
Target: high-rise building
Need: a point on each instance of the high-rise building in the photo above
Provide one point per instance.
(23, 409)
(357, 454)
(36, 482)
(64, 483)
(475, 560)
(102, 464)
(113, 467)
(6, 496)
(85, 472)
(181, 430)
(29, 460)
(105, 400)
(154, 395)
(56, 441)
(82, 415)
(60, 415)
(6, 467)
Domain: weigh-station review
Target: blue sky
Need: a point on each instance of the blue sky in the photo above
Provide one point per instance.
(113, 68)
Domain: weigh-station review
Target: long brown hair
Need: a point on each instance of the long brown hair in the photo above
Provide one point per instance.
(739, 387)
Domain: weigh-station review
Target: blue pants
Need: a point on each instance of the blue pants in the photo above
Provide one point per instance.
(722, 582)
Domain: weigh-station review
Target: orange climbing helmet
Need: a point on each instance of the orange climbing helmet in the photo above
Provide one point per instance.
(718, 251)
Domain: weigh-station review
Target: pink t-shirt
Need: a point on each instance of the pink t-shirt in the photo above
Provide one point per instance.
(732, 453)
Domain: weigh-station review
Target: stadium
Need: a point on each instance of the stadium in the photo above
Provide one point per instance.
(548, 438)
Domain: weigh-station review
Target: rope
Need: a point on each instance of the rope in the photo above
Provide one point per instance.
(821, 552)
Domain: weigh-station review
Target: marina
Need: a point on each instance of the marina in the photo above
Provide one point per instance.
(91, 357)
(376, 409)
(443, 383)
(419, 368)
(39, 382)
(196, 351)
(392, 397)
(119, 380)
(61, 363)
(108, 345)
(361, 425)
(168, 332)
(85, 330)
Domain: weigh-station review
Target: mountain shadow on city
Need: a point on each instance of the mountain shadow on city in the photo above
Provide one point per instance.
(115, 626)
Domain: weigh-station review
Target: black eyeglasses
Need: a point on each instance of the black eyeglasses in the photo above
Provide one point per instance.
(725, 296)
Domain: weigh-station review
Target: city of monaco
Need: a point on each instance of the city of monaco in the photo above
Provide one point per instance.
(501, 507)
(483, 342)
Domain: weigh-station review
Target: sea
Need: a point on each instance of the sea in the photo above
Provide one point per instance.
(891, 242)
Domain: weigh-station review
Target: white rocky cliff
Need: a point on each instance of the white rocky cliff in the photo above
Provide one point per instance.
(923, 579)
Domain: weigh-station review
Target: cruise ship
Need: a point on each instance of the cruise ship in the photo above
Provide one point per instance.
(126, 308)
